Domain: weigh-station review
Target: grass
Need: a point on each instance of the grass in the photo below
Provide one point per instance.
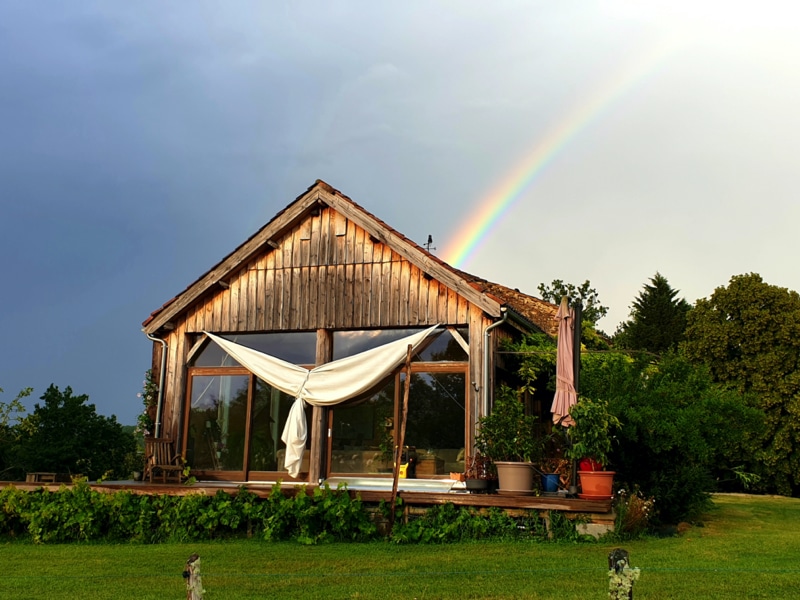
(749, 547)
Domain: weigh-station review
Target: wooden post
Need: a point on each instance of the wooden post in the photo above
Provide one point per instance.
(191, 573)
(621, 582)
(398, 453)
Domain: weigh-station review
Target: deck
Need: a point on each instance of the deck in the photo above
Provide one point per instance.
(417, 494)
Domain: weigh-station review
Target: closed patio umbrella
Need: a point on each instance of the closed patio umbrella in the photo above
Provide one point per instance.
(566, 394)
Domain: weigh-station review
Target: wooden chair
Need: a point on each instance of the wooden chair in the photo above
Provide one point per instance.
(161, 461)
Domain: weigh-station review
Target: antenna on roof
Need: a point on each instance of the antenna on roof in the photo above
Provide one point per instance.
(429, 244)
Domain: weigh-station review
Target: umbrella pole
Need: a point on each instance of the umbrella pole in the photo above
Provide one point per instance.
(576, 375)
(398, 453)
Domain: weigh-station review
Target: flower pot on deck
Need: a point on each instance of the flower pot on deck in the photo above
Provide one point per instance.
(596, 485)
(514, 477)
(550, 482)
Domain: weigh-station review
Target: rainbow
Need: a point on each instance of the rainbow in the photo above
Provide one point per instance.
(499, 202)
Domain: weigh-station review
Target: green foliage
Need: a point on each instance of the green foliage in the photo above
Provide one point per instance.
(748, 334)
(593, 432)
(508, 434)
(80, 514)
(66, 435)
(658, 319)
(10, 414)
(633, 515)
(593, 311)
(675, 441)
(145, 421)
(446, 523)
(533, 358)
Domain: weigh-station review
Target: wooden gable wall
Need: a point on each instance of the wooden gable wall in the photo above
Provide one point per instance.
(326, 273)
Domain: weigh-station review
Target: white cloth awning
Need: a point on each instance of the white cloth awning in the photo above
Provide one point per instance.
(325, 385)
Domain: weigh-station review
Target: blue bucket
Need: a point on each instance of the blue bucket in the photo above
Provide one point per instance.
(550, 482)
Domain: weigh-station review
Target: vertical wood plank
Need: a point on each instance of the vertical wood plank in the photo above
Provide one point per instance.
(319, 437)
(261, 299)
(252, 295)
(404, 292)
(422, 293)
(442, 300)
(286, 296)
(311, 298)
(325, 237)
(366, 282)
(269, 292)
(477, 326)
(433, 302)
(314, 243)
(348, 307)
(386, 287)
(241, 321)
(463, 310)
(452, 306)
(323, 293)
(234, 290)
(376, 287)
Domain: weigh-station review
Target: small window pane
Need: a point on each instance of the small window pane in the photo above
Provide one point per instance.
(270, 409)
(362, 437)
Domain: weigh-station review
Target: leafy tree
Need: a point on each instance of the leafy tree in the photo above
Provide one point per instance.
(591, 337)
(10, 413)
(676, 442)
(593, 311)
(658, 319)
(748, 334)
(66, 435)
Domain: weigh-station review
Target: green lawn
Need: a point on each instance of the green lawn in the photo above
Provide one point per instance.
(749, 547)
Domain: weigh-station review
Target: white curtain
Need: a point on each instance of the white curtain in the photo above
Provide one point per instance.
(325, 385)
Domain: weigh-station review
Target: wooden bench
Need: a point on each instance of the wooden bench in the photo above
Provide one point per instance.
(161, 461)
(40, 477)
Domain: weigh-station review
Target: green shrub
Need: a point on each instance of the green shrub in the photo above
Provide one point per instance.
(675, 443)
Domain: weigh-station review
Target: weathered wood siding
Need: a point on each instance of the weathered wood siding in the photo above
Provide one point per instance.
(326, 273)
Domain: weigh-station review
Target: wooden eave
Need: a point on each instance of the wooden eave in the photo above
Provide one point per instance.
(322, 193)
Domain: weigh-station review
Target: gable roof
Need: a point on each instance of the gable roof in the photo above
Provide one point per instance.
(490, 297)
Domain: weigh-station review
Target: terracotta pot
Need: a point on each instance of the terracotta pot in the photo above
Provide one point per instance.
(515, 476)
(596, 485)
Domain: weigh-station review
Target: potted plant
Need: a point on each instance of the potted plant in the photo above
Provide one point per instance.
(590, 439)
(554, 472)
(479, 474)
(508, 438)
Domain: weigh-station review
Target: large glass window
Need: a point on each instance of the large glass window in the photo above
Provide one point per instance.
(217, 422)
(440, 345)
(234, 420)
(363, 435)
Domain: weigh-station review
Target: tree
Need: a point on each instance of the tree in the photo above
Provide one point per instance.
(593, 311)
(658, 319)
(66, 435)
(675, 443)
(748, 334)
(10, 413)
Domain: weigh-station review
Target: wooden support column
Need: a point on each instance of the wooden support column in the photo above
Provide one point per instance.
(477, 325)
(319, 421)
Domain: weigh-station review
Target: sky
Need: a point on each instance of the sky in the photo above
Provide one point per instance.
(141, 142)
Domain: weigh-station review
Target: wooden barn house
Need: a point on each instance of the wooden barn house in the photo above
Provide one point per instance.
(325, 280)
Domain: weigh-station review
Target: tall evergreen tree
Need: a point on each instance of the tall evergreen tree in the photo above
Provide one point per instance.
(658, 319)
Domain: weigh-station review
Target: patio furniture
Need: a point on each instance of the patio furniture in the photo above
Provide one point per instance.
(161, 461)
